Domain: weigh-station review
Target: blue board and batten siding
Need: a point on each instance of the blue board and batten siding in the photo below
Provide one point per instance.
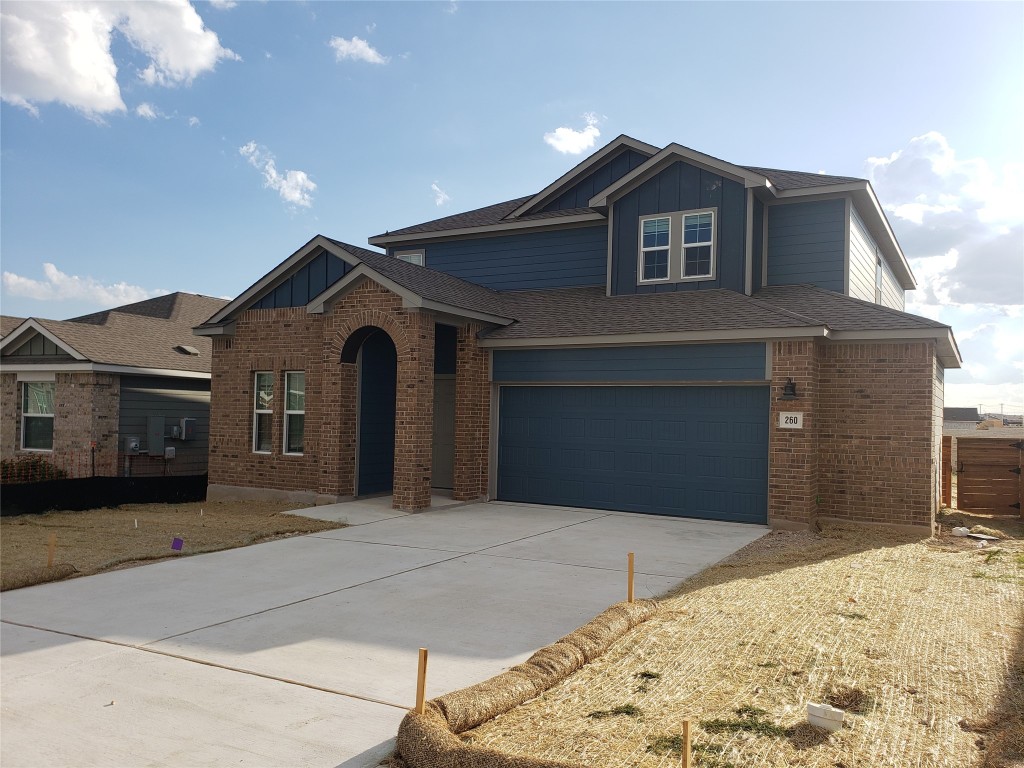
(308, 282)
(674, 363)
(579, 194)
(681, 187)
(554, 258)
(688, 451)
(807, 244)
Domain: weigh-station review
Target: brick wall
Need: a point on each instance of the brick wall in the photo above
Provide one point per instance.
(876, 432)
(472, 415)
(792, 459)
(10, 411)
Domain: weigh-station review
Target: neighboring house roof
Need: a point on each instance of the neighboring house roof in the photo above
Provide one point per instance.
(143, 335)
(8, 323)
(961, 414)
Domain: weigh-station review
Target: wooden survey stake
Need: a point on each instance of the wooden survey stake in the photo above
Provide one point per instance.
(421, 683)
(629, 583)
(51, 550)
(686, 744)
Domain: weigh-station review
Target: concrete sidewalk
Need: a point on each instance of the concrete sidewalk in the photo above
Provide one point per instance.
(303, 651)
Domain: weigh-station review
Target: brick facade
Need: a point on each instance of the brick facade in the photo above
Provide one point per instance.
(86, 412)
(323, 346)
(868, 449)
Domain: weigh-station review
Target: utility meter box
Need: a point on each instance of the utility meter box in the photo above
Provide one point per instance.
(131, 443)
(155, 435)
(188, 429)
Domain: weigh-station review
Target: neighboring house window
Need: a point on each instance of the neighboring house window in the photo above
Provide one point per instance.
(37, 415)
(413, 257)
(294, 411)
(654, 240)
(263, 412)
(666, 256)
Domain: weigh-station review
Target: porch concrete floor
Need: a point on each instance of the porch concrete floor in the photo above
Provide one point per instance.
(303, 651)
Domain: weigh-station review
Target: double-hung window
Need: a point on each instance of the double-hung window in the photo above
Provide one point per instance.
(263, 412)
(294, 411)
(677, 247)
(37, 415)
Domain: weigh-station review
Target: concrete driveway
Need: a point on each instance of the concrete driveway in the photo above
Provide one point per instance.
(303, 651)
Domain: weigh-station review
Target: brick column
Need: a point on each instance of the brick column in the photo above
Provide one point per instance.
(10, 405)
(414, 415)
(472, 416)
(793, 460)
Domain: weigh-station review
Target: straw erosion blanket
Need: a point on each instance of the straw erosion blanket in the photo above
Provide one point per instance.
(919, 641)
(102, 539)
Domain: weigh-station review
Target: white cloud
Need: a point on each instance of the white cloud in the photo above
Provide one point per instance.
(61, 51)
(58, 286)
(452, 7)
(959, 223)
(569, 141)
(356, 49)
(440, 196)
(193, 122)
(371, 27)
(294, 187)
(223, 5)
(146, 110)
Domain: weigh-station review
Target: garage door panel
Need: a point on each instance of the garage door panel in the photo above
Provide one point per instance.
(643, 449)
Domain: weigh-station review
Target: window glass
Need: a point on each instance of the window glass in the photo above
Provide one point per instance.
(697, 229)
(37, 415)
(295, 412)
(697, 261)
(263, 412)
(656, 233)
(656, 265)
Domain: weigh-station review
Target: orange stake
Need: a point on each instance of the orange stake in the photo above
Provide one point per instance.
(629, 584)
(51, 551)
(686, 744)
(421, 683)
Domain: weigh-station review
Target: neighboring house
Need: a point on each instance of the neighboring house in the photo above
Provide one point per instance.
(75, 391)
(656, 331)
(956, 421)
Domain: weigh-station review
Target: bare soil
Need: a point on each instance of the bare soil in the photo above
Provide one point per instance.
(921, 642)
(98, 540)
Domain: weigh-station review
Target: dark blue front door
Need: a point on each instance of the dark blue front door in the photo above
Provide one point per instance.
(378, 367)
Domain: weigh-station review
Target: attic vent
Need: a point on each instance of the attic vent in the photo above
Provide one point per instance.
(186, 350)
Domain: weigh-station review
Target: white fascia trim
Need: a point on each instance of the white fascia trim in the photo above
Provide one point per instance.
(566, 179)
(669, 337)
(949, 353)
(37, 376)
(16, 338)
(280, 272)
(445, 234)
(410, 299)
(227, 329)
(100, 368)
(668, 155)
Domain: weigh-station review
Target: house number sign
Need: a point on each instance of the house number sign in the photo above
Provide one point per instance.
(791, 420)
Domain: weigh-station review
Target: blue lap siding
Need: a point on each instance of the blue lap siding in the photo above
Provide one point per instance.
(807, 244)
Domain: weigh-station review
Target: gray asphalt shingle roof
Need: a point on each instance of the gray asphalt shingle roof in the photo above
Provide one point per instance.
(8, 323)
(143, 334)
(799, 179)
(840, 312)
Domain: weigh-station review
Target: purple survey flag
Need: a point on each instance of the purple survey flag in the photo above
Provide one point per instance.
(177, 544)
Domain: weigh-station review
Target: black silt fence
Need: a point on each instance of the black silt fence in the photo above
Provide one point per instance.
(94, 492)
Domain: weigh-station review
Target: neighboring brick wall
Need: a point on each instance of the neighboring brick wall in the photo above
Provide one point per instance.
(876, 432)
(792, 458)
(86, 411)
(472, 415)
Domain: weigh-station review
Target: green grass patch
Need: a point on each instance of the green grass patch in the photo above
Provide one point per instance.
(622, 709)
(852, 615)
(707, 755)
(748, 719)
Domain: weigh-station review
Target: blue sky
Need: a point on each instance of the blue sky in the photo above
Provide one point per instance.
(176, 146)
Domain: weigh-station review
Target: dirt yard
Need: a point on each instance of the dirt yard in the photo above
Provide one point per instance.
(920, 642)
(101, 539)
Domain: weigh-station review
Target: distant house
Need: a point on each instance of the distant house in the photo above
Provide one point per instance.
(74, 391)
(657, 331)
(959, 420)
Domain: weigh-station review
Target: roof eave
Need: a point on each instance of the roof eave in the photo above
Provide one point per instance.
(666, 337)
(443, 234)
(946, 347)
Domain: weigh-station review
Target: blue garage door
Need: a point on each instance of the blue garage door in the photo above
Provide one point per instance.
(687, 451)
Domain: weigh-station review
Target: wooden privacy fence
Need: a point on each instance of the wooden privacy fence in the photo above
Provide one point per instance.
(988, 475)
(947, 471)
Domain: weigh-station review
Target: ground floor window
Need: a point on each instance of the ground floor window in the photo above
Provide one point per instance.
(294, 411)
(263, 412)
(37, 415)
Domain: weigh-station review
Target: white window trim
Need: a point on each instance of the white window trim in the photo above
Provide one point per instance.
(417, 257)
(287, 413)
(256, 412)
(677, 248)
(640, 261)
(25, 415)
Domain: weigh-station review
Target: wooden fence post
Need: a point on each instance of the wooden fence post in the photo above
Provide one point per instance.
(421, 683)
(629, 584)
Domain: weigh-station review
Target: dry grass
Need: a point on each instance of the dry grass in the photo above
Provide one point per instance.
(101, 539)
(921, 640)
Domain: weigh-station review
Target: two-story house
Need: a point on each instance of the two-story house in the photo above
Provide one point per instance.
(657, 331)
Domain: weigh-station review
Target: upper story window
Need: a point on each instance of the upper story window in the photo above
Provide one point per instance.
(37, 415)
(413, 257)
(294, 411)
(666, 257)
(263, 412)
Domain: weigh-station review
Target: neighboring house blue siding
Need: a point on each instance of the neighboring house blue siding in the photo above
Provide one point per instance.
(578, 196)
(681, 187)
(757, 250)
(684, 362)
(807, 244)
(554, 258)
(307, 283)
